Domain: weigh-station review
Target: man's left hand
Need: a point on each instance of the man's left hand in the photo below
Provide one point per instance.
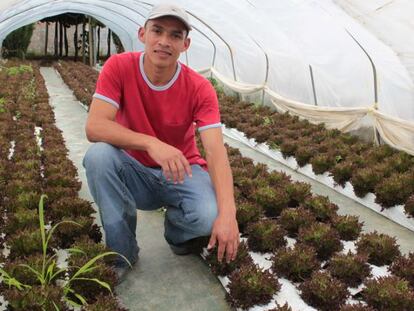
(225, 233)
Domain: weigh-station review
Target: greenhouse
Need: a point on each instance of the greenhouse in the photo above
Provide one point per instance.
(219, 155)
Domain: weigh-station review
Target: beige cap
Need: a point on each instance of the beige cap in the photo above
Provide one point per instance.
(161, 10)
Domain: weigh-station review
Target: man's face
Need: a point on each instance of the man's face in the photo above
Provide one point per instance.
(165, 39)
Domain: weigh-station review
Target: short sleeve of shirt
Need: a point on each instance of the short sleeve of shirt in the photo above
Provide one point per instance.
(206, 114)
(108, 86)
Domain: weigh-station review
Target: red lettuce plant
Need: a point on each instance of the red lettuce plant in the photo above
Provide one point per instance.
(324, 291)
(251, 286)
(389, 294)
(381, 249)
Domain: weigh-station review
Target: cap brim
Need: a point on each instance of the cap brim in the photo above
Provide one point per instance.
(186, 24)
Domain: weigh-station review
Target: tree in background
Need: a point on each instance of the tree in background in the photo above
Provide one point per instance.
(118, 44)
(17, 42)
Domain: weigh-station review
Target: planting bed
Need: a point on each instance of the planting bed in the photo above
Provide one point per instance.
(318, 259)
(378, 177)
(33, 161)
(296, 249)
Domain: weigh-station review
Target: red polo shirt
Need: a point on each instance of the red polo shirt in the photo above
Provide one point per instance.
(170, 112)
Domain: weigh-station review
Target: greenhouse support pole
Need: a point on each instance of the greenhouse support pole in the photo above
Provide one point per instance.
(374, 71)
(267, 69)
(222, 39)
(313, 86)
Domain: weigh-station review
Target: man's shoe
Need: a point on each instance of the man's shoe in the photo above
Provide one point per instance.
(193, 246)
(121, 273)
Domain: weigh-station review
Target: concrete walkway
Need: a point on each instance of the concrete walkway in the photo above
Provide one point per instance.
(160, 280)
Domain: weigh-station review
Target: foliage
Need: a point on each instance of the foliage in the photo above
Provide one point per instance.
(342, 172)
(356, 307)
(364, 180)
(47, 273)
(409, 206)
(323, 291)
(294, 218)
(395, 189)
(265, 236)
(348, 226)
(403, 266)
(250, 286)
(224, 268)
(381, 249)
(350, 268)
(17, 42)
(118, 43)
(322, 163)
(321, 207)
(247, 212)
(104, 303)
(389, 294)
(219, 89)
(322, 237)
(285, 307)
(298, 192)
(297, 263)
(272, 200)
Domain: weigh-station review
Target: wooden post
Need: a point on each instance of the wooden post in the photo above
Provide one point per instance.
(60, 39)
(91, 42)
(109, 43)
(56, 38)
(99, 43)
(46, 37)
(83, 42)
(75, 42)
(66, 41)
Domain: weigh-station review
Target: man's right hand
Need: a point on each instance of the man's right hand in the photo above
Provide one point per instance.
(172, 161)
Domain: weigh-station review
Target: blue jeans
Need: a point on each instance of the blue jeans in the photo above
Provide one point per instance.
(120, 185)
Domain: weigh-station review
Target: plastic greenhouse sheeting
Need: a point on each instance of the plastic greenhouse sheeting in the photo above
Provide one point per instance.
(310, 53)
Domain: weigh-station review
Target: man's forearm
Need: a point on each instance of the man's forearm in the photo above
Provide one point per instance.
(115, 134)
(220, 173)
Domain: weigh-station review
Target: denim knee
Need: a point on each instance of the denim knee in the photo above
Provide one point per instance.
(100, 156)
(202, 220)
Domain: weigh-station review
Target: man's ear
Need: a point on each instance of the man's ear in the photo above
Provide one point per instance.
(187, 42)
(141, 34)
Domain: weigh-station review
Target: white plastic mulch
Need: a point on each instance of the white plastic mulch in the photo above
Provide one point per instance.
(395, 213)
(288, 292)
